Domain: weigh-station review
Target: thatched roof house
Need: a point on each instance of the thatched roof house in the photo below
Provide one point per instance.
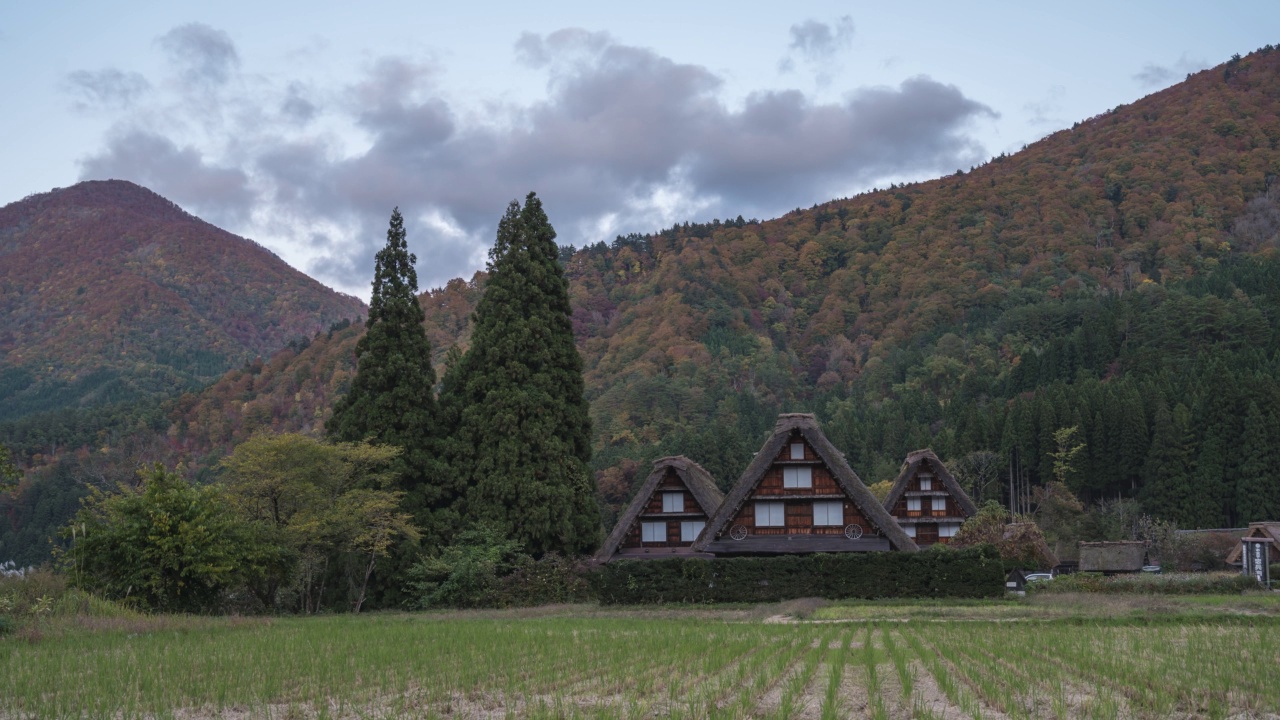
(799, 495)
(667, 514)
(927, 501)
(1265, 530)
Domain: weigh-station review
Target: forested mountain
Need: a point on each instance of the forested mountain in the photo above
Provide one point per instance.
(1120, 277)
(111, 293)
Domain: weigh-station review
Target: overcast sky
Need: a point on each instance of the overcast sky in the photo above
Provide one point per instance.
(301, 126)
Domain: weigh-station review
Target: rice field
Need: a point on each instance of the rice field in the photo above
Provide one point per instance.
(642, 665)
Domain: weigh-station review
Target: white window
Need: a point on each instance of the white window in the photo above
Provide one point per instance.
(690, 529)
(939, 504)
(947, 530)
(797, 451)
(926, 483)
(770, 514)
(828, 512)
(672, 502)
(910, 530)
(913, 504)
(797, 477)
(653, 532)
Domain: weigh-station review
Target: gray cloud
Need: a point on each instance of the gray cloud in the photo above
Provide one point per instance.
(109, 89)
(623, 140)
(1159, 76)
(181, 174)
(817, 44)
(819, 41)
(206, 55)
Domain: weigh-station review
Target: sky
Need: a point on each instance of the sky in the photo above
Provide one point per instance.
(301, 125)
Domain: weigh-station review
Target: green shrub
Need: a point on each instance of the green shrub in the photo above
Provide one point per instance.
(974, 572)
(1149, 584)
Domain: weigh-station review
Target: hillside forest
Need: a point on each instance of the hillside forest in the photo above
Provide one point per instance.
(1114, 287)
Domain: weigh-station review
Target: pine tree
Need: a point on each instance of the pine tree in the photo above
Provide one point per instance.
(1257, 492)
(1167, 492)
(392, 400)
(524, 434)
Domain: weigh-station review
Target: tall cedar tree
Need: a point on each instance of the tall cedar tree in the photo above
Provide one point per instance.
(523, 439)
(392, 400)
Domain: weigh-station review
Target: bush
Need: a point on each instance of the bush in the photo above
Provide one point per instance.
(485, 569)
(938, 572)
(1149, 584)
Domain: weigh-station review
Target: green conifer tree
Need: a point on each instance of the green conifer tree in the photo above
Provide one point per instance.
(1257, 492)
(523, 440)
(1167, 492)
(392, 397)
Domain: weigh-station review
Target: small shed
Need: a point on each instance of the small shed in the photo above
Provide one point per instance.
(1124, 556)
(1016, 581)
(1265, 530)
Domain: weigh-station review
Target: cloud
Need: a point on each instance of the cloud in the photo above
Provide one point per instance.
(181, 174)
(1161, 76)
(817, 44)
(819, 41)
(206, 55)
(110, 88)
(623, 140)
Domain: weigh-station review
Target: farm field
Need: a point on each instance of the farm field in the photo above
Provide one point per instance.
(1035, 658)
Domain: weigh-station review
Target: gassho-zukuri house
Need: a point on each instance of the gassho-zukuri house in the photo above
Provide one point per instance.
(667, 514)
(927, 501)
(799, 495)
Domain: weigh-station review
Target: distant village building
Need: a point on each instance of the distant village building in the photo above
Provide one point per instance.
(927, 501)
(1124, 556)
(799, 495)
(1265, 530)
(667, 514)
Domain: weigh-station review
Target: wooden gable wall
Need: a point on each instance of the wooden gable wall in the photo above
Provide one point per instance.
(926, 520)
(798, 502)
(652, 512)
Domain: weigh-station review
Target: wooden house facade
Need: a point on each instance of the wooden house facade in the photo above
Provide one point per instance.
(668, 513)
(927, 501)
(799, 495)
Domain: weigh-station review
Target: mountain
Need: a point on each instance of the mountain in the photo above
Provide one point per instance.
(1120, 277)
(111, 293)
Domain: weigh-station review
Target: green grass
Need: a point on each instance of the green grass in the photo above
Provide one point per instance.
(585, 662)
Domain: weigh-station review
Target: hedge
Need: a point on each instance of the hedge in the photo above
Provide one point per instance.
(1149, 584)
(969, 573)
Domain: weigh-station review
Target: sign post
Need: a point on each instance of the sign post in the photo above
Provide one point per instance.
(1257, 558)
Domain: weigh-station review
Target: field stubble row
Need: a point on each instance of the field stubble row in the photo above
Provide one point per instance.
(633, 667)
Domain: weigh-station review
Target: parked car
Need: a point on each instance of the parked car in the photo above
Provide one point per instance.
(1039, 577)
(1152, 569)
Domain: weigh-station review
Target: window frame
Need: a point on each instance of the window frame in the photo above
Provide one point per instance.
(797, 446)
(647, 527)
(669, 498)
(917, 503)
(827, 506)
(769, 506)
(938, 500)
(791, 481)
(688, 537)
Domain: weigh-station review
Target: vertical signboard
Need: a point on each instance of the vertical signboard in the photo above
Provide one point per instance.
(1257, 556)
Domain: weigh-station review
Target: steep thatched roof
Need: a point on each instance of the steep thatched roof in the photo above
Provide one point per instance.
(948, 480)
(700, 483)
(845, 477)
(1113, 556)
(1268, 530)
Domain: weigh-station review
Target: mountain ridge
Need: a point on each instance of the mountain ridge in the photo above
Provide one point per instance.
(112, 292)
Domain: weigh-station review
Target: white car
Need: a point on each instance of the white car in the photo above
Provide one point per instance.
(1039, 577)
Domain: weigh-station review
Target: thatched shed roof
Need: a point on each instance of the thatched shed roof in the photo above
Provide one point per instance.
(1119, 556)
(1266, 530)
(807, 426)
(912, 465)
(700, 483)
